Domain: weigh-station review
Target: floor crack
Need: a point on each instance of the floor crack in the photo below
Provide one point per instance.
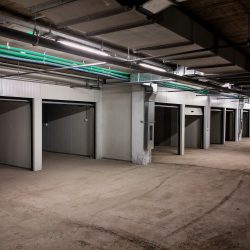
(219, 204)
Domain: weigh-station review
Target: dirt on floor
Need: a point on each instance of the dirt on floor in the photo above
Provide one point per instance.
(198, 201)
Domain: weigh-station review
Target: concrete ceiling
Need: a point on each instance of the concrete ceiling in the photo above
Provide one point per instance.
(228, 18)
(173, 35)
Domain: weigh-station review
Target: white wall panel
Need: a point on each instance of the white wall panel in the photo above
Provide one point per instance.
(14, 88)
(116, 121)
(187, 98)
(67, 93)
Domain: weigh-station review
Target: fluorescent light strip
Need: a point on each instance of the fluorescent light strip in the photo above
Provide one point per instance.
(83, 47)
(145, 65)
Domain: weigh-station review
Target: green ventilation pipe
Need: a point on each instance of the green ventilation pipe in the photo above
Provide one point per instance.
(173, 85)
(44, 58)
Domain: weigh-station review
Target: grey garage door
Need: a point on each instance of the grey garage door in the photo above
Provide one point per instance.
(193, 127)
(245, 132)
(230, 125)
(216, 129)
(167, 128)
(68, 128)
(15, 133)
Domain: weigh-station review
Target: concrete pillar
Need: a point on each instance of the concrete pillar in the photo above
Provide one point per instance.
(139, 154)
(206, 127)
(182, 129)
(240, 124)
(224, 126)
(237, 118)
(37, 134)
(98, 130)
(248, 123)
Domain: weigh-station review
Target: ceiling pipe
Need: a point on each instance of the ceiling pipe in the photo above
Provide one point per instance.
(51, 69)
(50, 44)
(7, 63)
(63, 77)
(7, 16)
(45, 77)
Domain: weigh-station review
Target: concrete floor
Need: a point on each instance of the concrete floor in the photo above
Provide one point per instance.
(199, 201)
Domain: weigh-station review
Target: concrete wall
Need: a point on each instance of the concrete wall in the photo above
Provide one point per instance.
(68, 129)
(119, 115)
(140, 155)
(15, 134)
(117, 122)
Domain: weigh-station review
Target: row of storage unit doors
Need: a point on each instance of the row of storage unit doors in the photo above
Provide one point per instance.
(68, 127)
(219, 124)
(167, 126)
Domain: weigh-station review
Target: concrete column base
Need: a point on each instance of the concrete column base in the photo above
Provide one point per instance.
(37, 134)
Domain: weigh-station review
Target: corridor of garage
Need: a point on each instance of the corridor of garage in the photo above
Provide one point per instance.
(124, 124)
(80, 203)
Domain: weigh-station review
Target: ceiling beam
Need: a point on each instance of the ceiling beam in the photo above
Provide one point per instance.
(94, 17)
(193, 57)
(236, 74)
(165, 46)
(120, 28)
(241, 82)
(212, 66)
(233, 78)
(51, 44)
(183, 25)
(48, 5)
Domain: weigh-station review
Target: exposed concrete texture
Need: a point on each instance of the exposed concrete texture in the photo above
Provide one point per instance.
(232, 155)
(195, 201)
(139, 154)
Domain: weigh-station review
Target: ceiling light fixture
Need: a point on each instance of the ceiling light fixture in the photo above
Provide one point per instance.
(84, 48)
(149, 66)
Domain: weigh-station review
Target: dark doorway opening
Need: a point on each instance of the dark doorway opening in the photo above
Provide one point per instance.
(167, 128)
(230, 125)
(216, 126)
(245, 131)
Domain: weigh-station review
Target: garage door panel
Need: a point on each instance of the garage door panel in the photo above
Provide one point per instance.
(68, 129)
(15, 134)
